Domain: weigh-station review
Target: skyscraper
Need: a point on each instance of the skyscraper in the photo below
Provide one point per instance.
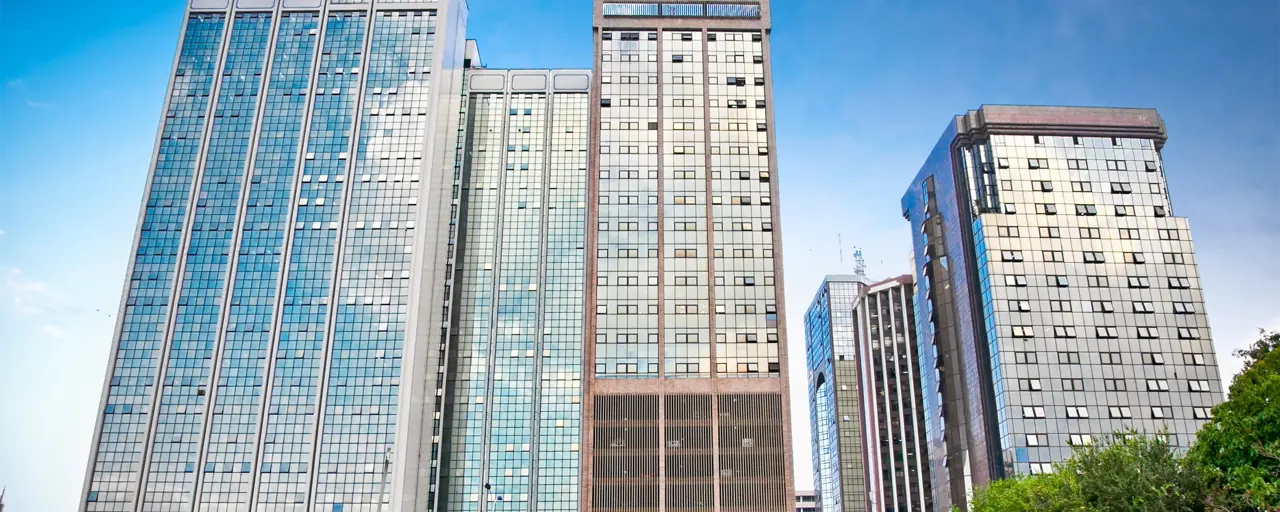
(276, 348)
(1058, 298)
(687, 368)
(513, 410)
(865, 407)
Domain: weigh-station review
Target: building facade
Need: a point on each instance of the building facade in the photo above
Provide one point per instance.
(515, 377)
(1058, 298)
(865, 408)
(686, 384)
(835, 401)
(806, 501)
(893, 431)
(273, 349)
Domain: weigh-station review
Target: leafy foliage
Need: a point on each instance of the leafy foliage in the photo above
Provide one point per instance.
(1131, 473)
(1239, 450)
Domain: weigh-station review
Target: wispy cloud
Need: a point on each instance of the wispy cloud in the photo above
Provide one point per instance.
(37, 104)
(16, 83)
(54, 331)
(25, 295)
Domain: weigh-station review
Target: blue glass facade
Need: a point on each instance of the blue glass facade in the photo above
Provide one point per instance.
(260, 354)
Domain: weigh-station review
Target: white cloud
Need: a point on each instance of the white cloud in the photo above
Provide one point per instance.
(17, 83)
(37, 104)
(25, 295)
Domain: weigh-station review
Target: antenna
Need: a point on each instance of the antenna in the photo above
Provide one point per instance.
(840, 244)
(859, 264)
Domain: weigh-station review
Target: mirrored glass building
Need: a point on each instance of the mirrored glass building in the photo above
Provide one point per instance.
(1057, 297)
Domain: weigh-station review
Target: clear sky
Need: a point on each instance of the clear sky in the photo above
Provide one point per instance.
(863, 89)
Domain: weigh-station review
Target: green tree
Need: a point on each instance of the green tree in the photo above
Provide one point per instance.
(1239, 449)
(1130, 473)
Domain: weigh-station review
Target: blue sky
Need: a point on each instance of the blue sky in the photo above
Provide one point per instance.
(862, 91)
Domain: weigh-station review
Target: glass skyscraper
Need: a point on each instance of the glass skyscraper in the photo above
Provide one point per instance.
(686, 347)
(513, 411)
(276, 348)
(1058, 298)
(865, 406)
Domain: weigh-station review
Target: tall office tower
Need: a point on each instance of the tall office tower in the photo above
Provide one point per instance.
(865, 406)
(687, 369)
(835, 403)
(893, 431)
(273, 350)
(1058, 297)
(513, 411)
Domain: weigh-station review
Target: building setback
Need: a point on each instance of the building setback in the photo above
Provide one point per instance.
(515, 380)
(1058, 296)
(864, 397)
(686, 363)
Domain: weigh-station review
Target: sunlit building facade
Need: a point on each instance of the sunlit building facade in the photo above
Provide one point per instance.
(686, 389)
(1057, 297)
(278, 345)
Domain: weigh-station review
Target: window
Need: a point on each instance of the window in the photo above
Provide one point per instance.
(1198, 386)
(1020, 305)
(1077, 163)
(1111, 358)
(1107, 332)
(1064, 331)
(1081, 186)
(1159, 211)
(1130, 234)
(1145, 307)
(1136, 258)
(1041, 468)
(1094, 257)
(1188, 333)
(1058, 281)
(1077, 412)
(1149, 165)
(1023, 331)
(1101, 306)
(1159, 412)
(1019, 281)
(1157, 385)
(1169, 234)
(1045, 186)
(1179, 283)
(1073, 384)
(1090, 233)
(1003, 163)
(1037, 439)
(1086, 209)
(1098, 281)
(1173, 258)
(1037, 163)
(1061, 306)
(1053, 256)
(1009, 232)
(1050, 232)
(1153, 358)
(1139, 282)
(1068, 358)
(1047, 209)
(1025, 358)
(1011, 256)
(1116, 165)
(1033, 412)
(1120, 412)
(1010, 208)
(1029, 384)
(1121, 188)
(1193, 359)
(1202, 413)
(1113, 385)
(1080, 439)
(1124, 210)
